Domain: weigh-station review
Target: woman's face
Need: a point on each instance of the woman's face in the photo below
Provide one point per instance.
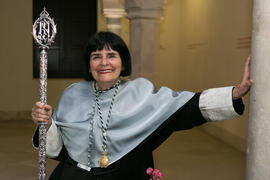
(105, 66)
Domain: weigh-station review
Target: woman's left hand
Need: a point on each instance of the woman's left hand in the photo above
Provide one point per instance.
(242, 89)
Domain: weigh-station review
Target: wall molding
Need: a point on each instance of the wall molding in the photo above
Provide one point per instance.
(15, 115)
(227, 137)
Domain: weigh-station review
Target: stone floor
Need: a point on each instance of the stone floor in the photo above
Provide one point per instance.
(187, 155)
(195, 155)
(18, 157)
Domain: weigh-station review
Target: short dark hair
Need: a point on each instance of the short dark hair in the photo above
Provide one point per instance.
(107, 40)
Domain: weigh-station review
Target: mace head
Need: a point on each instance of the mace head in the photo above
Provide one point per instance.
(44, 30)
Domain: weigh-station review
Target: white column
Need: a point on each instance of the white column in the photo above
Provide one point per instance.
(113, 10)
(258, 144)
(144, 16)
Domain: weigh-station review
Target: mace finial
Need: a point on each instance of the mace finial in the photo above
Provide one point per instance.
(44, 29)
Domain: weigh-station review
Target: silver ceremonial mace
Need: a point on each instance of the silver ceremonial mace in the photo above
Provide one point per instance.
(44, 31)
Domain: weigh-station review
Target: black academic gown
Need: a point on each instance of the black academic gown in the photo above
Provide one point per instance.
(134, 164)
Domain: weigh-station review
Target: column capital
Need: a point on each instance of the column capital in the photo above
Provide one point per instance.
(145, 9)
(113, 8)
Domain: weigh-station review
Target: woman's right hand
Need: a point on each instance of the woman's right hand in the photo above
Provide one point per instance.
(42, 113)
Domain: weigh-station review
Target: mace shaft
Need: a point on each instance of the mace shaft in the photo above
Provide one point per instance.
(42, 126)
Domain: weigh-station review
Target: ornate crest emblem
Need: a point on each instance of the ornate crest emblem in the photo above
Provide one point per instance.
(44, 29)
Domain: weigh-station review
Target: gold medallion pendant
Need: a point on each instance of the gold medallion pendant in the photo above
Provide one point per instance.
(104, 160)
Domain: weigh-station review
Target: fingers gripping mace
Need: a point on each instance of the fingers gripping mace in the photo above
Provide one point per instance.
(44, 31)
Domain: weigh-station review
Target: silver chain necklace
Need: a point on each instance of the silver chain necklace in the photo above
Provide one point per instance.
(104, 160)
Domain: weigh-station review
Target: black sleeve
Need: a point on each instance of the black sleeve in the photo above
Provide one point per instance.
(190, 115)
(187, 117)
(239, 106)
(35, 139)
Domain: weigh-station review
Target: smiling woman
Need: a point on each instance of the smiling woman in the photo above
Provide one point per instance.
(105, 64)
(105, 67)
(106, 128)
(115, 49)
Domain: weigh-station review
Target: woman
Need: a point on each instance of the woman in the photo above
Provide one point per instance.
(106, 128)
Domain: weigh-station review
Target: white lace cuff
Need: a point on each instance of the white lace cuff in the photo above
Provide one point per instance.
(217, 104)
(54, 141)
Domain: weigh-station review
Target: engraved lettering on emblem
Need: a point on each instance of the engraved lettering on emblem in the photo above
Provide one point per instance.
(44, 30)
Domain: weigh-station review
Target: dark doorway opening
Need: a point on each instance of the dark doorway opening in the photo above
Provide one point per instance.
(76, 22)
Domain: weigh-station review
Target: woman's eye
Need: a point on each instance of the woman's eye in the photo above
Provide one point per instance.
(95, 57)
(111, 56)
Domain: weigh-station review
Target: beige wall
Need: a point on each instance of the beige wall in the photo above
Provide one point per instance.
(203, 45)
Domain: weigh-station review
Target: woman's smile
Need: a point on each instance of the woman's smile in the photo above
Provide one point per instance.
(105, 71)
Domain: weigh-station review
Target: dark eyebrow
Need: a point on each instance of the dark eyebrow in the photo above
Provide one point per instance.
(112, 53)
(95, 54)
